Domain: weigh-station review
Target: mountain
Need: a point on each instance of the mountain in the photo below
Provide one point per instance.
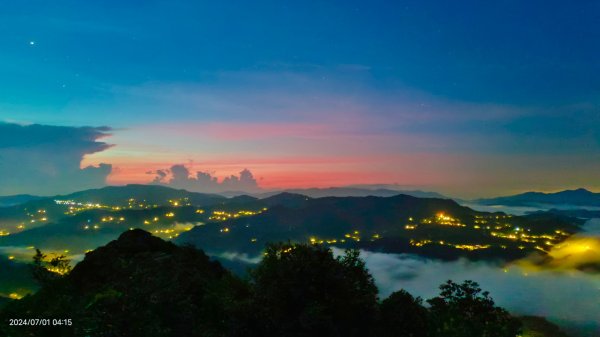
(236, 230)
(12, 200)
(578, 213)
(137, 285)
(128, 196)
(578, 197)
(432, 227)
(149, 194)
(140, 285)
(94, 223)
(353, 192)
(286, 199)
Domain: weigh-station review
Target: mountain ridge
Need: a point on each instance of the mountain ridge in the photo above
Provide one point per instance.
(578, 197)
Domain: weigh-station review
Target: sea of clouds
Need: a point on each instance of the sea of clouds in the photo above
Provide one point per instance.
(564, 295)
(555, 289)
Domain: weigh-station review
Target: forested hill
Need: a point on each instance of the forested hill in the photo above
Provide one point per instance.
(140, 285)
(427, 226)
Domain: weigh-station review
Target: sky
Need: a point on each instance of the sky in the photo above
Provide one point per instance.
(469, 99)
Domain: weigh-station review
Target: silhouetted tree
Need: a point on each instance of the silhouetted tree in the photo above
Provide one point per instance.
(140, 285)
(47, 269)
(402, 315)
(463, 310)
(303, 290)
(137, 285)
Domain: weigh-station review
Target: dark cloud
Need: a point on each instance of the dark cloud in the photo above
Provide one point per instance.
(161, 175)
(45, 160)
(179, 176)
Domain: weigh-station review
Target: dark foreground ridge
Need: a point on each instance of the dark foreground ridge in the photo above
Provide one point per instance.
(140, 285)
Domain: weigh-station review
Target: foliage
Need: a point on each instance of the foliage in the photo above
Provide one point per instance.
(46, 269)
(303, 290)
(463, 310)
(140, 285)
(403, 315)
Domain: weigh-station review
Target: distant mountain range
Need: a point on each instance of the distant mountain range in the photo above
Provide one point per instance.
(434, 227)
(121, 196)
(12, 200)
(156, 193)
(431, 227)
(149, 194)
(355, 192)
(578, 197)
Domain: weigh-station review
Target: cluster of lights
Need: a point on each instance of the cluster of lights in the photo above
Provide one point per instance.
(498, 230)
(180, 202)
(75, 207)
(446, 220)
(223, 215)
(314, 241)
(419, 243)
(471, 247)
(112, 219)
(86, 227)
(167, 233)
(15, 296)
(133, 203)
(354, 236)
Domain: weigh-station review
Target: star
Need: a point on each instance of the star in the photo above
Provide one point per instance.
(32, 43)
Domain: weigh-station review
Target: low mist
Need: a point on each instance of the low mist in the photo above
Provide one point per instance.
(560, 286)
(568, 298)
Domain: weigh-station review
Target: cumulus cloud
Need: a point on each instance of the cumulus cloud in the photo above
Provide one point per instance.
(179, 176)
(45, 160)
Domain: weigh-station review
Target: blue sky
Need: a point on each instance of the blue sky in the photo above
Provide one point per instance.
(498, 91)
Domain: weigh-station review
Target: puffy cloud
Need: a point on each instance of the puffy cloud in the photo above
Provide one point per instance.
(45, 160)
(179, 176)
